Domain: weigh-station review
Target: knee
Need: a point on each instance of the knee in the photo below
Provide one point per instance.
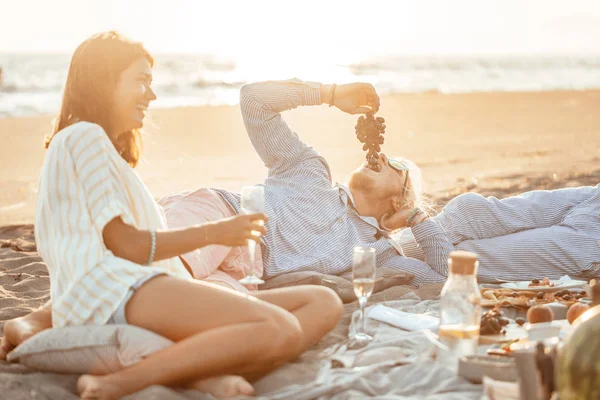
(465, 202)
(469, 198)
(329, 306)
(285, 337)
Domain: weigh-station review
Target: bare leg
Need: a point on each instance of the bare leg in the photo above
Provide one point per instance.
(220, 332)
(317, 308)
(17, 330)
(20, 329)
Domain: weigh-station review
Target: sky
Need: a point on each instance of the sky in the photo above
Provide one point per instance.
(309, 28)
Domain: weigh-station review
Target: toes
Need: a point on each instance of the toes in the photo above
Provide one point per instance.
(238, 386)
(86, 387)
(224, 386)
(5, 348)
(245, 388)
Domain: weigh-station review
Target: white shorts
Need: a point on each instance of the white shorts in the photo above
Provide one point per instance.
(118, 317)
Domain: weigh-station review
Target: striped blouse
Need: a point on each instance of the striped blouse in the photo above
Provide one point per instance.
(85, 184)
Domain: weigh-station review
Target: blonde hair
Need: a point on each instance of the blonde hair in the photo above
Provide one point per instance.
(415, 198)
(94, 73)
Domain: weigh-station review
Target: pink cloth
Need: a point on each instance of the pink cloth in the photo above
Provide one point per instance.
(214, 263)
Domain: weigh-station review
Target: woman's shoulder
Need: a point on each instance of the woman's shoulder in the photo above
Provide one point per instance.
(79, 133)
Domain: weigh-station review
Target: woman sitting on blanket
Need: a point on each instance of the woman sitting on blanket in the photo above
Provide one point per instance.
(111, 260)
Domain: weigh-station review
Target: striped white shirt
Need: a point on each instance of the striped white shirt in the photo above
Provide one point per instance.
(313, 224)
(85, 184)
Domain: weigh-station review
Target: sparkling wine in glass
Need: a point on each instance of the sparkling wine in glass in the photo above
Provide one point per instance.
(363, 280)
(253, 201)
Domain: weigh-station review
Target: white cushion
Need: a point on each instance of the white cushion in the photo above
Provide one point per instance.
(88, 349)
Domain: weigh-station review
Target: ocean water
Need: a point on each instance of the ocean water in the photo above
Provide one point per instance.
(32, 83)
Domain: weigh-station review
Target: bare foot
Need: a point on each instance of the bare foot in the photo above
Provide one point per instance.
(17, 330)
(5, 348)
(95, 387)
(223, 386)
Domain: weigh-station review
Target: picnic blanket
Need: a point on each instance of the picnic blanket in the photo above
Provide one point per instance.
(396, 365)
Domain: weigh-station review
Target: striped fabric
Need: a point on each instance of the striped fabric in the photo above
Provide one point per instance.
(313, 224)
(85, 184)
(534, 235)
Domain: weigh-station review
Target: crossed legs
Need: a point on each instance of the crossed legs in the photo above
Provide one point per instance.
(218, 332)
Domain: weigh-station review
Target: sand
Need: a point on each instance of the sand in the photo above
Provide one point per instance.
(488, 142)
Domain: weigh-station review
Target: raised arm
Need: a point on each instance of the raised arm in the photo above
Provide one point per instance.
(277, 145)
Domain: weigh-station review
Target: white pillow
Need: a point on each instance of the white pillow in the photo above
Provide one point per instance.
(88, 349)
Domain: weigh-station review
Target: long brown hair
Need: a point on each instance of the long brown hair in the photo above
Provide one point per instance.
(92, 79)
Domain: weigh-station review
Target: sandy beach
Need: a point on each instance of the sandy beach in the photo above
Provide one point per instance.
(480, 106)
(493, 143)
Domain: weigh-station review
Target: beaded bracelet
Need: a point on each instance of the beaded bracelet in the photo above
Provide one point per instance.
(332, 94)
(152, 248)
(425, 217)
(413, 213)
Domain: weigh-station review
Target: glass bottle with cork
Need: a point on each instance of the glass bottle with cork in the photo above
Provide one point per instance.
(460, 309)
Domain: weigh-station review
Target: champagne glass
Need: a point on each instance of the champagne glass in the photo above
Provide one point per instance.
(253, 201)
(363, 281)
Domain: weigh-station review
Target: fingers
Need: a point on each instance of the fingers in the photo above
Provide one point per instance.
(374, 100)
(254, 237)
(370, 101)
(258, 216)
(362, 110)
(257, 228)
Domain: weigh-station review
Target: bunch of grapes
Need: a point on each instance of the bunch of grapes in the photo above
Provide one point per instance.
(370, 130)
(493, 322)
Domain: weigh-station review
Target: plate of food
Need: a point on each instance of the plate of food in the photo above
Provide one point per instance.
(523, 299)
(543, 285)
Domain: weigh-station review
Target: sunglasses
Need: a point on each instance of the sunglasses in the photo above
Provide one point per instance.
(398, 165)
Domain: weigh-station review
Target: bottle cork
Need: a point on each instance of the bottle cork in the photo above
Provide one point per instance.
(463, 262)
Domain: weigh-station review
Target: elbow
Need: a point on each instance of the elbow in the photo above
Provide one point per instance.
(132, 249)
(125, 241)
(246, 94)
(248, 90)
(250, 99)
